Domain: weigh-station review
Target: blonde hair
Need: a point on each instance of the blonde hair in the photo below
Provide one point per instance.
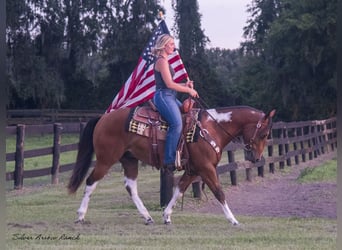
(160, 43)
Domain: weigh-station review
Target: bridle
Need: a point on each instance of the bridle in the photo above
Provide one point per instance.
(249, 145)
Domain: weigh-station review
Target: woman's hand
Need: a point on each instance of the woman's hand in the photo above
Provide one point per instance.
(193, 93)
(190, 84)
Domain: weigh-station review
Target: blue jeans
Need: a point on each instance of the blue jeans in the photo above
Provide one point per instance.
(168, 106)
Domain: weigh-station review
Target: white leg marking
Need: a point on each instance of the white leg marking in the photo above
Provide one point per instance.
(133, 187)
(229, 215)
(168, 210)
(85, 201)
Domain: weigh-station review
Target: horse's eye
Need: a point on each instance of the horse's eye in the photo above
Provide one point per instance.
(263, 136)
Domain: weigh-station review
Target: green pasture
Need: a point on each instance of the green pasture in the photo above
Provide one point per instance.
(41, 217)
(326, 172)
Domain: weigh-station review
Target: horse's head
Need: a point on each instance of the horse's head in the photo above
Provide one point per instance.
(255, 137)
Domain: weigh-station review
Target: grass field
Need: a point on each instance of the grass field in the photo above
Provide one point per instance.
(41, 217)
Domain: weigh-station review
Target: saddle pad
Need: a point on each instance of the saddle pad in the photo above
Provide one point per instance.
(141, 125)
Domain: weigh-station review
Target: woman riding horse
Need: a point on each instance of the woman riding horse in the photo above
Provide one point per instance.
(111, 142)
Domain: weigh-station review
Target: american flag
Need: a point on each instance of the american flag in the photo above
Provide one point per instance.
(140, 86)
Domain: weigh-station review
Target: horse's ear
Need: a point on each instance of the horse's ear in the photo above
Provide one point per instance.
(270, 115)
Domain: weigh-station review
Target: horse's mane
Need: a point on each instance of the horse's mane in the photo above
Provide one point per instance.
(240, 107)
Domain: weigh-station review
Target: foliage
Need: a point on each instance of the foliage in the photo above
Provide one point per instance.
(291, 57)
(78, 54)
(192, 47)
(62, 53)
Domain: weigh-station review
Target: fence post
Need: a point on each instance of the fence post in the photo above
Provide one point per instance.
(248, 174)
(286, 136)
(321, 137)
(196, 189)
(57, 130)
(261, 170)
(270, 154)
(281, 148)
(314, 141)
(326, 137)
(302, 145)
(19, 157)
(295, 148)
(331, 135)
(248, 170)
(310, 144)
(231, 158)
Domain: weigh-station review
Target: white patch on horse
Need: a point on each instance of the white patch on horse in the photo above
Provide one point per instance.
(133, 190)
(220, 117)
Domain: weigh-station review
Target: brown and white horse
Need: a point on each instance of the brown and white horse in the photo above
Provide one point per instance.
(108, 138)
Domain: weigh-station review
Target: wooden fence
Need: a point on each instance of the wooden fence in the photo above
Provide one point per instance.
(48, 116)
(289, 143)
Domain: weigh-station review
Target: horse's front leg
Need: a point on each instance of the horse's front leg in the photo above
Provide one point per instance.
(183, 184)
(130, 165)
(210, 178)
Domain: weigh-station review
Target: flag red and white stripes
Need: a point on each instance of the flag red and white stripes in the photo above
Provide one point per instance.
(140, 86)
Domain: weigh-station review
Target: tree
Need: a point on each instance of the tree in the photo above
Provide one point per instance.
(33, 81)
(59, 50)
(125, 38)
(292, 57)
(192, 47)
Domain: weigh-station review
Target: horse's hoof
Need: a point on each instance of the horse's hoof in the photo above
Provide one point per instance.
(149, 221)
(167, 222)
(235, 223)
(79, 221)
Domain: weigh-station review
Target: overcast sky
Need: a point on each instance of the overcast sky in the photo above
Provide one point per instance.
(222, 20)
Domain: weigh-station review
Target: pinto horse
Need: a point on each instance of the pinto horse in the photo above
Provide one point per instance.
(107, 137)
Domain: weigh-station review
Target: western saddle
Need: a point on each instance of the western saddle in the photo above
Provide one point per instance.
(147, 121)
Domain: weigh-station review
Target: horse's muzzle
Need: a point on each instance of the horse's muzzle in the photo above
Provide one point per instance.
(250, 156)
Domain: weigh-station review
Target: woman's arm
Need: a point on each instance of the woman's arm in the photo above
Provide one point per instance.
(162, 66)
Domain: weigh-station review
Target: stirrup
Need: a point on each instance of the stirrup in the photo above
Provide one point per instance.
(179, 162)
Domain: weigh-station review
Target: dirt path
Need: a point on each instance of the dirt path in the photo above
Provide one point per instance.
(279, 195)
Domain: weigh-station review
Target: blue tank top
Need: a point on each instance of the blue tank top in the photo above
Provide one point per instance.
(160, 84)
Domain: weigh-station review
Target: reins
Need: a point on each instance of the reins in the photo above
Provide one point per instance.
(203, 105)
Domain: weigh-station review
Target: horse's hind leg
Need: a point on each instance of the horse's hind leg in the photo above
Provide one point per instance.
(81, 212)
(130, 165)
(100, 169)
(91, 182)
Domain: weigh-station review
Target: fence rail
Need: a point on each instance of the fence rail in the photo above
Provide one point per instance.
(288, 143)
(45, 116)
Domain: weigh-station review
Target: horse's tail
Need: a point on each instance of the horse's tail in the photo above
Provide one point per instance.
(84, 156)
